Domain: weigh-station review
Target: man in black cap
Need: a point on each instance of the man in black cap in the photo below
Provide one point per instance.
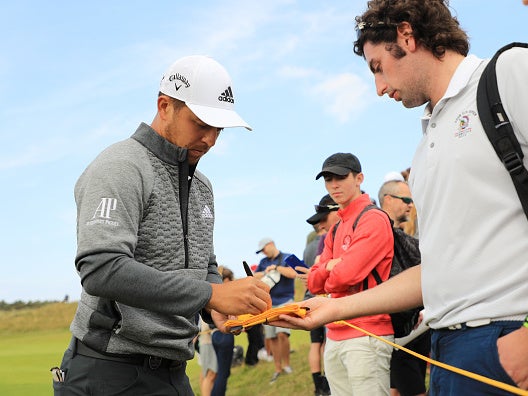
(356, 247)
(325, 216)
(324, 213)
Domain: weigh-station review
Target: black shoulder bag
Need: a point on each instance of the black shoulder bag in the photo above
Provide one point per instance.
(498, 126)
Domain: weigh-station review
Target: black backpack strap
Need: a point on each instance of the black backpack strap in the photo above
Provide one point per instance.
(365, 209)
(334, 230)
(281, 261)
(498, 127)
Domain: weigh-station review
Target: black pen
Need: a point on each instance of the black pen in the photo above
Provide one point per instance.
(247, 269)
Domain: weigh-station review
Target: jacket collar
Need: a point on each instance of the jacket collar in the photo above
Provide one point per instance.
(353, 209)
(159, 146)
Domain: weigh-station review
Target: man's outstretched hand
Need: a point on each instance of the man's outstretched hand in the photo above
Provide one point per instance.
(242, 296)
(322, 310)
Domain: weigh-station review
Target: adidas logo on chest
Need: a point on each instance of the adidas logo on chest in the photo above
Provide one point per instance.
(207, 213)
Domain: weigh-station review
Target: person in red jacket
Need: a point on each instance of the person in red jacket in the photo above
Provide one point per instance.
(354, 362)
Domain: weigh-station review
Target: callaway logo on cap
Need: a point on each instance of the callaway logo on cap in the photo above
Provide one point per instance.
(206, 88)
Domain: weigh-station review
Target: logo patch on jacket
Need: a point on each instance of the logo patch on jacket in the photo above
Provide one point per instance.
(103, 213)
(347, 240)
(206, 212)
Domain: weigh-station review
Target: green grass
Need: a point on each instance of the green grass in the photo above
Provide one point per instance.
(246, 380)
(25, 360)
(33, 340)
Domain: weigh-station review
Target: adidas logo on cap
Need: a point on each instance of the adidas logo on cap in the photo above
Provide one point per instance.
(227, 96)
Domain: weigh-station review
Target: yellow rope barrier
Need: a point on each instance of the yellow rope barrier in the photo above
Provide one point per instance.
(466, 373)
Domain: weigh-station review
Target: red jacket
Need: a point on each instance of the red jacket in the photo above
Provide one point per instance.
(370, 246)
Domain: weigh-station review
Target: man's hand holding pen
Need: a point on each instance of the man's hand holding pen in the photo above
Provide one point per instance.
(241, 296)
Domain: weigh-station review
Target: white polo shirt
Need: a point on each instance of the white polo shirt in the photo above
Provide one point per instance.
(473, 231)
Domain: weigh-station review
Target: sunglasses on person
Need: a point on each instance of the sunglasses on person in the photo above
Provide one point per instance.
(325, 208)
(362, 26)
(406, 200)
(375, 25)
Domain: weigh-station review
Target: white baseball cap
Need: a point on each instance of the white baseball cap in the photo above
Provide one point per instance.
(206, 88)
(263, 242)
(393, 176)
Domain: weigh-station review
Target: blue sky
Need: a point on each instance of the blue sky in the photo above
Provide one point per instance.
(76, 77)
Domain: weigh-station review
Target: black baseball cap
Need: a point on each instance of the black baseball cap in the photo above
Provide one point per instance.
(340, 164)
(326, 205)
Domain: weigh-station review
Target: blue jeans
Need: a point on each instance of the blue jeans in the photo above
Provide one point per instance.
(473, 349)
(223, 345)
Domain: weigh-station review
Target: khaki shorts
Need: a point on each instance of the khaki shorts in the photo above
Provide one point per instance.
(272, 331)
(358, 366)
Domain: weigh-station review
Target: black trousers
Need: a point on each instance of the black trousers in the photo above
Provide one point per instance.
(223, 345)
(407, 372)
(255, 337)
(86, 375)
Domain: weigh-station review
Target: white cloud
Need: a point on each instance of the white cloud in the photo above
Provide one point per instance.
(234, 24)
(344, 95)
(296, 72)
(30, 156)
(66, 144)
(287, 46)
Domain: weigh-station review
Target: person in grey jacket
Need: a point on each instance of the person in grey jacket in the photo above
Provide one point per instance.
(145, 252)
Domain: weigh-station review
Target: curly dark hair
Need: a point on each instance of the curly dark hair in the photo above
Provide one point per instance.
(433, 25)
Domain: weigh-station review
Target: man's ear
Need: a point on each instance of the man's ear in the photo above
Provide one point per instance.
(359, 178)
(165, 107)
(405, 36)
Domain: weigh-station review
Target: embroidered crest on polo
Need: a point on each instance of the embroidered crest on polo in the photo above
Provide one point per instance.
(463, 123)
(206, 88)
(206, 212)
